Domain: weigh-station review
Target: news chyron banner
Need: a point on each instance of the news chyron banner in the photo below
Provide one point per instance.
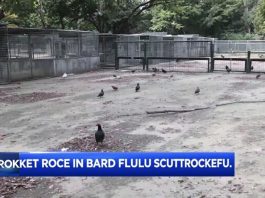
(117, 164)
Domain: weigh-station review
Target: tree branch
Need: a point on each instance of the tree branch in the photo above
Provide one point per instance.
(203, 108)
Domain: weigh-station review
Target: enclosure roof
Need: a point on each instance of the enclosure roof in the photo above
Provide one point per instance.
(20, 30)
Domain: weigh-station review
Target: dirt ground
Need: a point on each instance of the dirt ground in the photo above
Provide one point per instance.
(47, 114)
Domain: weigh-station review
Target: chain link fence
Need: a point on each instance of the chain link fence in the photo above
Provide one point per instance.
(33, 53)
(173, 55)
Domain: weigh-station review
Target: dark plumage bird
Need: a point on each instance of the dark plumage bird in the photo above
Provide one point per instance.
(222, 56)
(155, 69)
(228, 69)
(153, 74)
(197, 90)
(101, 93)
(115, 76)
(171, 76)
(133, 71)
(251, 67)
(99, 135)
(258, 76)
(137, 88)
(164, 71)
(114, 88)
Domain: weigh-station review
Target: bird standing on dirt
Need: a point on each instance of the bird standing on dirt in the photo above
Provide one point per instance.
(114, 88)
(197, 90)
(164, 71)
(228, 69)
(65, 75)
(137, 88)
(155, 69)
(99, 135)
(258, 76)
(101, 93)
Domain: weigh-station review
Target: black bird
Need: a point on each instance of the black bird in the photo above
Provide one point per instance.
(155, 69)
(114, 88)
(164, 71)
(197, 90)
(171, 76)
(101, 93)
(153, 74)
(133, 71)
(115, 76)
(137, 88)
(228, 69)
(99, 135)
(258, 76)
(251, 67)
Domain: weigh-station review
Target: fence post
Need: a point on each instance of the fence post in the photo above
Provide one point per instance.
(212, 57)
(116, 57)
(145, 55)
(248, 63)
(8, 56)
(79, 44)
(30, 54)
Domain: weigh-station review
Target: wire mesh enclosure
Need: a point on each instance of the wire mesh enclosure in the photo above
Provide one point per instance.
(32, 53)
(3, 55)
(173, 55)
(107, 50)
(235, 64)
(257, 65)
(239, 48)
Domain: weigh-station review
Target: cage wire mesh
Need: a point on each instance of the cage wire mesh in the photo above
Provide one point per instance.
(172, 55)
(3, 55)
(107, 45)
(130, 55)
(177, 55)
(233, 50)
(235, 64)
(35, 49)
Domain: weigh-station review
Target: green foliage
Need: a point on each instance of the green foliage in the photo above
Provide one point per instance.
(164, 20)
(239, 36)
(259, 18)
(217, 18)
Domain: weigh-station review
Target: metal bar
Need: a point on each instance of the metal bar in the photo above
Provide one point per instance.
(145, 55)
(248, 63)
(30, 51)
(212, 56)
(179, 58)
(116, 57)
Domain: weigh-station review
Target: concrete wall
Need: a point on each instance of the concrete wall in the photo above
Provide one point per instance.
(3, 71)
(22, 69)
(75, 65)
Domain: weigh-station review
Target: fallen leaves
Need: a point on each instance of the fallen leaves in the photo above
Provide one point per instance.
(29, 97)
(10, 185)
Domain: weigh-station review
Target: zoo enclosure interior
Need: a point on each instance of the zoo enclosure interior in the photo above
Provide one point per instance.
(35, 53)
(198, 55)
